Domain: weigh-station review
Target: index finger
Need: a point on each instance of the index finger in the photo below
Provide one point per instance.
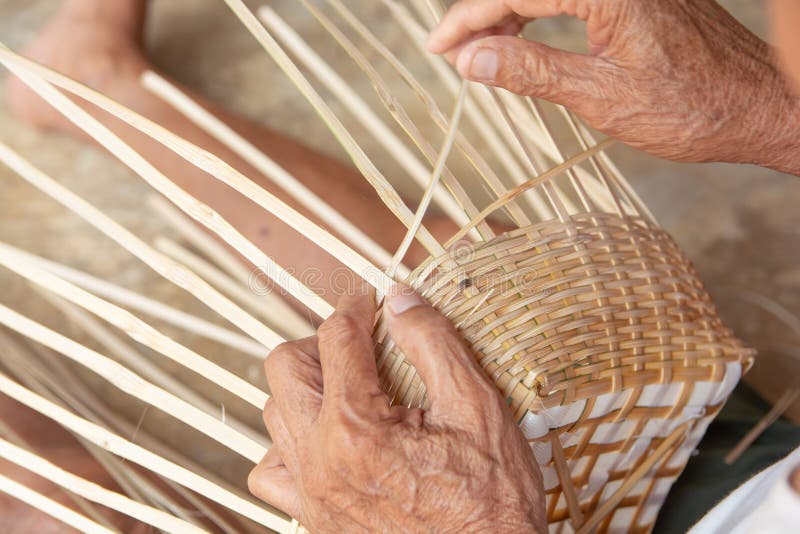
(466, 17)
(347, 355)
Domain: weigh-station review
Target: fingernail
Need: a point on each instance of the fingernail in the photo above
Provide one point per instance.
(402, 299)
(484, 64)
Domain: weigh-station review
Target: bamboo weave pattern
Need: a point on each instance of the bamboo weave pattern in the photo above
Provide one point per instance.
(603, 340)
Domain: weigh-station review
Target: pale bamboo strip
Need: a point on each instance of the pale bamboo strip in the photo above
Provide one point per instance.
(137, 329)
(93, 492)
(264, 164)
(577, 184)
(535, 127)
(513, 193)
(539, 135)
(136, 361)
(211, 248)
(360, 110)
(134, 385)
(51, 507)
(483, 116)
(470, 153)
(201, 506)
(395, 108)
(169, 269)
(151, 307)
(68, 389)
(360, 159)
(434, 179)
(137, 486)
(558, 200)
(29, 72)
(600, 186)
(29, 371)
(637, 204)
(85, 506)
(136, 454)
(259, 304)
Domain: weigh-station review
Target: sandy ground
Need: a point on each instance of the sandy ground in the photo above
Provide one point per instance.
(739, 224)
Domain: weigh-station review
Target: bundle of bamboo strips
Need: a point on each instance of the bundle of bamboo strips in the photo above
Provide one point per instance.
(584, 312)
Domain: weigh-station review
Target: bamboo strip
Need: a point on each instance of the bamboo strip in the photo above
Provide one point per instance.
(29, 71)
(129, 480)
(203, 508)
(136, 361)
(28, 369)
(470, 153)
(85, 506)
(51, 507)
(360, 110)
(169, 269)
(93, 492)
(515, 192)
(637, 474)
(134, 385)
(208, 246)
(395, 108)
(140, 456)
(479, 111)
(359, 158)
(134, 327)
(781, 405)
(156, 309)
(264, 164)
(558, 200)
(567, 487)
(260, 304)
(69, 390)
(434, 180)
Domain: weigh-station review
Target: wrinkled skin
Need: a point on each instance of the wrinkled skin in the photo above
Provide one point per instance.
(345, 461)
(679, 79)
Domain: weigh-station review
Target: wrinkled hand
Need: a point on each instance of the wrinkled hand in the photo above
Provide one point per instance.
(680, 79)
(344, 460)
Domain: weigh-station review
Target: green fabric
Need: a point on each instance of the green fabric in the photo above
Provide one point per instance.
(707, 479)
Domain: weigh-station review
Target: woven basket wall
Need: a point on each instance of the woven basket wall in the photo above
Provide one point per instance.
(605, 344)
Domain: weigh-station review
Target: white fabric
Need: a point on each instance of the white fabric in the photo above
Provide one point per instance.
(766, 503)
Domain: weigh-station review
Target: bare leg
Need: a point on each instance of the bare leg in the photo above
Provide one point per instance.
(98, 43)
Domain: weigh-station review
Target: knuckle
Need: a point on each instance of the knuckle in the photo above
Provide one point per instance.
(277, 360)
(338, 329)
(255, 482)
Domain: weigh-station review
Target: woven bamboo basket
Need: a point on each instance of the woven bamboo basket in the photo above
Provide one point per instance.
(592, 323)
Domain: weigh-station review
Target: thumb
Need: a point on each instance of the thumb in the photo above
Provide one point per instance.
(529, 68)
(449, 369)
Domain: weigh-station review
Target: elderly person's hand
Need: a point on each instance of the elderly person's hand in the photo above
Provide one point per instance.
(679, 79)
(344, 460)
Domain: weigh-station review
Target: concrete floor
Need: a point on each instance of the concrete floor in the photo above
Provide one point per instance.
(739, 224)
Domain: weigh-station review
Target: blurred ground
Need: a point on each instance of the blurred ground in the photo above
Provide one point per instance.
(739, 224)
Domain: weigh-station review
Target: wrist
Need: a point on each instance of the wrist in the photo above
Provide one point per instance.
(767, 132)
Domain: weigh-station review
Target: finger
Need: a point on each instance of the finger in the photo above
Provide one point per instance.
(282, 441)
(512, 28)
(347, 355)
(467, 17)
(271, 482)
(533, 69)
(431, 343)
(295, 380)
